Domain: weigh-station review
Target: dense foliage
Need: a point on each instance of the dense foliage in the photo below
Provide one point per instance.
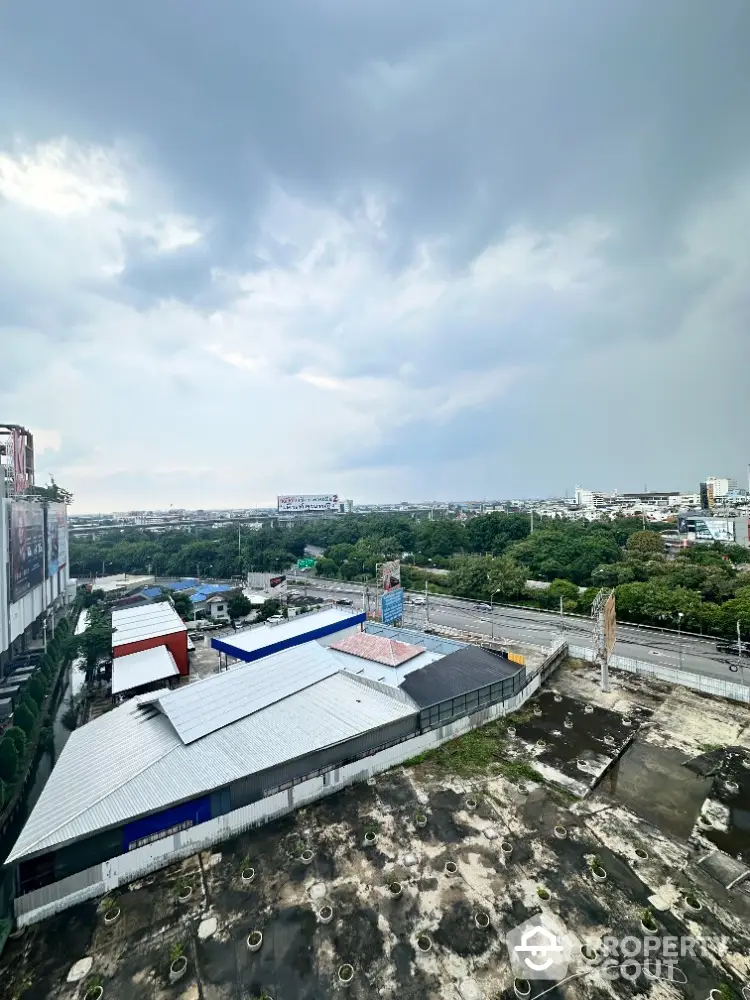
(485, 557)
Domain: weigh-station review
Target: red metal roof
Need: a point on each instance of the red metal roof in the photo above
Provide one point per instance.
(377, 648)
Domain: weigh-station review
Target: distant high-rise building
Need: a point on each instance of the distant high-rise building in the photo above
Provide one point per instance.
(719, 486)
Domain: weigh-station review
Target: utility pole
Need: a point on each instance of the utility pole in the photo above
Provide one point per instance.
(604, 625)
(561, 605)
(426, 604)
(739, 641)
(679, 637)
(532, 521)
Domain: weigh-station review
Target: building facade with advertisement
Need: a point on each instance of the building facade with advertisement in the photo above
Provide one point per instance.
(694, 528)
(309, 503)
(34, 571)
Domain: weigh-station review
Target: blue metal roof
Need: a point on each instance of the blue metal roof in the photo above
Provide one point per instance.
(189, 583)
(208, 589)
(151, 592)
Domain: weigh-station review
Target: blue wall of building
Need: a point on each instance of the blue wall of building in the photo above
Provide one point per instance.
(249, 656)
(189, 813)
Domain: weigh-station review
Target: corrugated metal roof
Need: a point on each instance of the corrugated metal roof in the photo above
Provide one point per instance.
(456, 674)
(151, 592)
(392, 676)
(204, 707)
(136, 669)
(131, 762)
(381, 649)
(257, 638)
(148, 621)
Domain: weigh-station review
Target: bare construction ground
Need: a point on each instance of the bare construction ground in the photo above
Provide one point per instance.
(515, 826)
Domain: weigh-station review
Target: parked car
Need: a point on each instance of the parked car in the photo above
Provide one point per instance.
(190, 645)
(345, 601)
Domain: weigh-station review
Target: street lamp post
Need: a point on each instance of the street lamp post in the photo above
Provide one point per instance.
(679, 637)
(492, 619)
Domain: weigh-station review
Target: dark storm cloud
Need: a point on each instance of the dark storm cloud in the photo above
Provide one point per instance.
(474, 114)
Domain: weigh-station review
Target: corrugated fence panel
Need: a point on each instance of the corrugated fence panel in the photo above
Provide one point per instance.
(716, 686)
(50, 899)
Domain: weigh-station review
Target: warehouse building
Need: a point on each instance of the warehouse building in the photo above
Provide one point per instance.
(263, 640)
(149, 626)
(172, 772)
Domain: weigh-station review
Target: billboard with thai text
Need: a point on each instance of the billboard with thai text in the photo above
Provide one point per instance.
(392, 606)
(308, 502)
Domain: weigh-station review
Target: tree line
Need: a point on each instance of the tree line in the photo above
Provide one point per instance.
(487, 556)
(19, 741)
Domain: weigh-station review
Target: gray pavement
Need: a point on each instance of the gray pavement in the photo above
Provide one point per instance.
(688, 652)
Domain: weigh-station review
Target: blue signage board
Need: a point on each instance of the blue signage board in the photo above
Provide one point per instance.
(392, 606)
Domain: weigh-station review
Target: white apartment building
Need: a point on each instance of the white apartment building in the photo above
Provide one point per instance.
(719, 487)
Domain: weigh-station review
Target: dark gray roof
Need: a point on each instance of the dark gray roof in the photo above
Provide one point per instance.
(6, 708)
(456, 674)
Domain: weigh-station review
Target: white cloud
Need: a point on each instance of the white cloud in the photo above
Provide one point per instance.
(61, 178)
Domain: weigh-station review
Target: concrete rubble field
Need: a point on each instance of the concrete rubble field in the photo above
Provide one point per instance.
(401, 923)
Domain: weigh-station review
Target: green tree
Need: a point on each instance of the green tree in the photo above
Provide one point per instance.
(8, 760)
(96, 641)
(268, 608)
(51, 492)
(482, 577)
(238, 606)
(17, 734)
(36, 690)
(182, 604)
(29, 704)
(645, 543)
(24, 718)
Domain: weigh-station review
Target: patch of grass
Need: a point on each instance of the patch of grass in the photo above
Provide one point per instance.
(519, 717)
(476, 752)
(519, 770)
(708, 747)
(573, 663)
(480, 752)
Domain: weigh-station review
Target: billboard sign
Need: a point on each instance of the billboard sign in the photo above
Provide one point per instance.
(390, 574)
(22, 448)
(57, 537)
(26, 548)
(707, 529)
(610, 624)
(308, 502)
(392, 606)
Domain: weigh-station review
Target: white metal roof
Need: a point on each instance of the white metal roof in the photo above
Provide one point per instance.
(136, 669)
(131, 762)
(253, 639)
(146, 621)
(205, 706)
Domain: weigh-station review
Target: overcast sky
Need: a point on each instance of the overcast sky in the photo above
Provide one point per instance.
(394, 249)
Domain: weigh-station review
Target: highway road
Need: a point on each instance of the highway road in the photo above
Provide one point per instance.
(687, 652)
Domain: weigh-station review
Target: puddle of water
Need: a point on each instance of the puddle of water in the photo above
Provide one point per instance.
(735, 840)
(653, 783)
